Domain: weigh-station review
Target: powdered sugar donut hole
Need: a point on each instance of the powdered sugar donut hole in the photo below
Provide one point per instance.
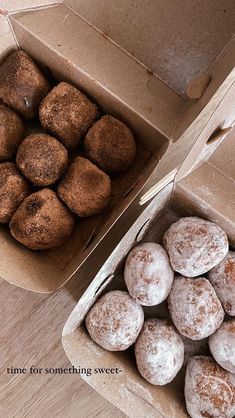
(195, 246)
(222, 345)
(209, 389)
(159, 352)
(148, 274)
(115, 320)
(194, 307)
(222, 278)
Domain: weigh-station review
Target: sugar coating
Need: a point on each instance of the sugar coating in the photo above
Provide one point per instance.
(195, 246)
(67, 114)
(222, 345)
(222, 278)
(148, 274)
(159, 352)
(194, 307)
(209, 389)
(115, 321)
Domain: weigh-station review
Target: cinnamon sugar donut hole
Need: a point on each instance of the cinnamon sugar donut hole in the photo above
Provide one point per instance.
(11, 133)
(42, 159)
(195, 246)
(110, 144)
(22, 84)
(67, 114)
(148, 274)
(222, 345)
(42, 221)
(159, 352)
(222, 278)
(209, 389)
(14, 188)
(115, 320)
(85, 189)
(194, 307)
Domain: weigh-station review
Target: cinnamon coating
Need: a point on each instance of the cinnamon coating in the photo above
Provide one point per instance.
(42, 221)
(85, 188)
(11, 132)
(14, 188)
(110, 144)
(42, 159)
(22, 84)
(67, 114)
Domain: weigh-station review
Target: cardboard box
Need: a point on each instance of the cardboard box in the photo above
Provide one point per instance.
(208, 191)
(136, 62)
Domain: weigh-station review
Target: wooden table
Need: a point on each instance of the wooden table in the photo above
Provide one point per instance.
(31, 326)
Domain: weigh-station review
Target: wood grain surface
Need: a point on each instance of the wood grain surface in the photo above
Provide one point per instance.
(30, 335)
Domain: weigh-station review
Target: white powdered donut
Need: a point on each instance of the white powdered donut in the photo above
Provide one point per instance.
(195, 246)
(148, 274)
(209, 389)
(222, 278)
(194, 307)
(115, 320)
(222, 345)
(159, 352)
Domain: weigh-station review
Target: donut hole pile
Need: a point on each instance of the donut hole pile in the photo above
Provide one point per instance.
(190, 281)
(64, 170)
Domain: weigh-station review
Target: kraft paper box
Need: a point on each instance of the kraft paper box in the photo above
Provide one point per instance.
(208, 191)
(140, 61)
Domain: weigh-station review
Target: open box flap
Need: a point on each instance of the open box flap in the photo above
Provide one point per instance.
(176, 45)
(7, 38)
(17, 5)
(221, 78)
(209, 189)
(186, 154)
(222, 118)
(119, 71)
(176, 40)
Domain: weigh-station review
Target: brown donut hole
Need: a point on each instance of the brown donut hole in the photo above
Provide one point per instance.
(68, 114)
(42, 221)
(85, 189)
(22, 84)
(11, 133)
(14, 188)
(110, 145)
(42, 159)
